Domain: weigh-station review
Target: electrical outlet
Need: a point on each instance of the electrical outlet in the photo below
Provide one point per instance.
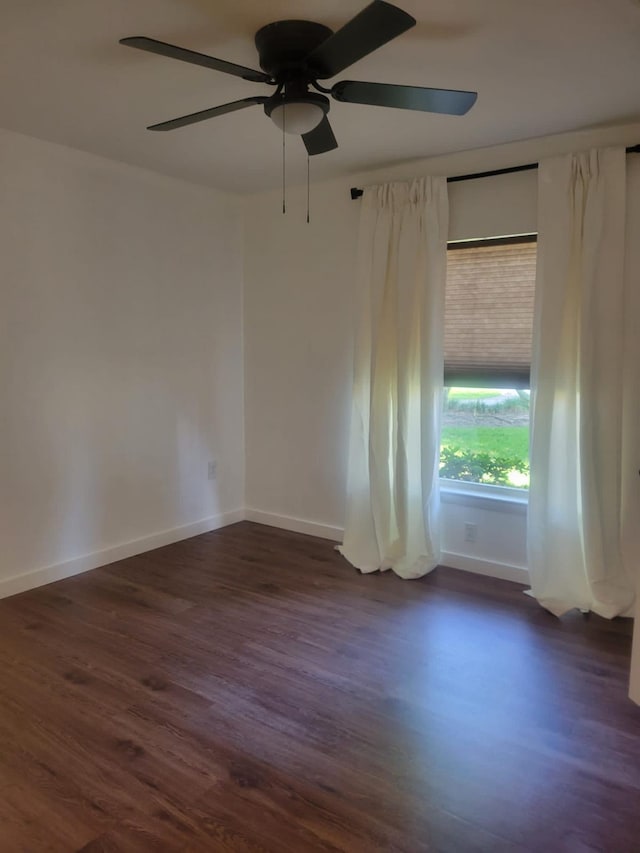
(470, 531)
(212, 469)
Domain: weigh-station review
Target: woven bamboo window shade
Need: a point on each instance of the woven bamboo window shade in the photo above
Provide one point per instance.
(489, 313)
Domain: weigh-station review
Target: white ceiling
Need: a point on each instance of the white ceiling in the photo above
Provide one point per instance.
(539, 66)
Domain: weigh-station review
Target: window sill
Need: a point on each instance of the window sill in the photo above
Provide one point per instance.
(494, 498)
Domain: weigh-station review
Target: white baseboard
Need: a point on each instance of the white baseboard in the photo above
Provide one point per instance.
(503, 571)
(335, 534)
(40, 577)
(296, 525)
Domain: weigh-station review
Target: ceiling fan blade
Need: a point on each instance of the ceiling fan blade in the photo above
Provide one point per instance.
(192, 118)
(173, 52)
(320, 139)
(375, 25)
(447, 101)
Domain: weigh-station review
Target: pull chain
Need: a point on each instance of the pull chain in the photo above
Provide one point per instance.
(284, 120)
(308, 192)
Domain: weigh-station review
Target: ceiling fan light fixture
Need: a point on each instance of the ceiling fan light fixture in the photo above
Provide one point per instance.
(299, 114)
(297, 117)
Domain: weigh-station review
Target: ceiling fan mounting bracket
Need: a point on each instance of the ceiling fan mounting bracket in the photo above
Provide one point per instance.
(284, 46)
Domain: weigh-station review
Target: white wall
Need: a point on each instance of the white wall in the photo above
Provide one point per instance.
(298, 333)
(121, 355)
(121, 360)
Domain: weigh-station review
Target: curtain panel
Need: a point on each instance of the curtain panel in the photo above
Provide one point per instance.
(392, 518)
(575, 522)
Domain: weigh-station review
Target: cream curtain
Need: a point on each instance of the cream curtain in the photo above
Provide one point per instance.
(574, 525)
(392, 519)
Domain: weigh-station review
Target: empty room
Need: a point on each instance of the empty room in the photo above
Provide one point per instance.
(320, 426)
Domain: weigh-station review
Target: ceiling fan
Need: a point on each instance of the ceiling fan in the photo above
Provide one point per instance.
(294, 55)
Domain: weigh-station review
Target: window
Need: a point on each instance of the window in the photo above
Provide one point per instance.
(488, 330)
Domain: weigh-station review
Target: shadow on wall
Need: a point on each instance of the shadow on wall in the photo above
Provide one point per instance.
(91, 469)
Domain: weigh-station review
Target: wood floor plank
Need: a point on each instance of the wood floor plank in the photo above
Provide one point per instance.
(247, 690)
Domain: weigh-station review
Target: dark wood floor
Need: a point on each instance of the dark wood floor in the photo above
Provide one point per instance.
(247, 690)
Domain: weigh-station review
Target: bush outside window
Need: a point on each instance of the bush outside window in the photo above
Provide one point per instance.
(485, 436)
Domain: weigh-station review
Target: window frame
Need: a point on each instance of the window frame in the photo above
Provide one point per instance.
(487, 495)
(484, 495)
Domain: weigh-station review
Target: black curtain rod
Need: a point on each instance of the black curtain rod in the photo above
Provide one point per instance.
(357, 193)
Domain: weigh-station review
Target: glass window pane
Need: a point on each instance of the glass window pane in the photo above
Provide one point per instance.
(489, 312)
(485, 436)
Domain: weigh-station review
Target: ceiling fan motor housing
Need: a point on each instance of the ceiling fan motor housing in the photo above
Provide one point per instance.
(284, 46)
(283, 49)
